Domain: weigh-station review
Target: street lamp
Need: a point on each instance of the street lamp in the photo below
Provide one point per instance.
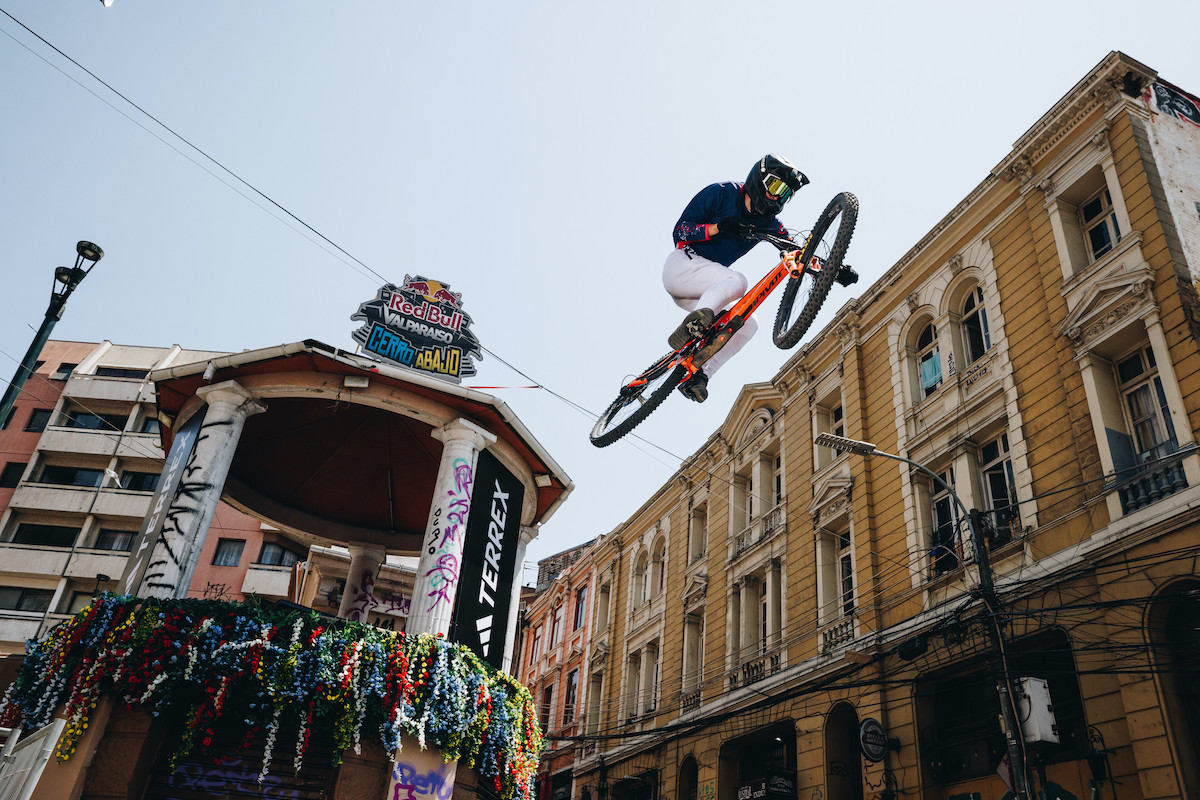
(1016, 756)
(65, 281)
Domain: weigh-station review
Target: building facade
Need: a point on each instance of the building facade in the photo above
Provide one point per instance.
(82, 456)
(783, 619)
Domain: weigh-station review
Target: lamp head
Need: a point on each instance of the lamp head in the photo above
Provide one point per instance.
(844, 445)
(63, 275)
(88, 251)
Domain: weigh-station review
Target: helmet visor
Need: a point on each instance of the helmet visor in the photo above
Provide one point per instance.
(777, 188)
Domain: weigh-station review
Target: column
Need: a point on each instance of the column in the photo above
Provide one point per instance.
(773, 602)
(359, 597)
(177, 549)
(528, 534)
(441, 553)
(733, 624)
(747, 622)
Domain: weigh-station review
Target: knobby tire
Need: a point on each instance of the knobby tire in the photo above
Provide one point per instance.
(845, 206)
(650, 397)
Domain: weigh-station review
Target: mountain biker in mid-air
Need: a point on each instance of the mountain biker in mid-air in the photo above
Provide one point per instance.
(715, 230)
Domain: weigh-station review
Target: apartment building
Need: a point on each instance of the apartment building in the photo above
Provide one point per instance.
(82, 456)
(782, 619)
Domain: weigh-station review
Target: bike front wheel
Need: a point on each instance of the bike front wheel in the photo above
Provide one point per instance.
(637, 400)
(842, 210)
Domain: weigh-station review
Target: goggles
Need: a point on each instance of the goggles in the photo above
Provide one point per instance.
(777, 188)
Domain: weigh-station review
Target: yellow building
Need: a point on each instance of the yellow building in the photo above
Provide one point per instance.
(781, 620)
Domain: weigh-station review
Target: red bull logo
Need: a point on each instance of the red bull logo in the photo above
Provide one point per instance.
(432, 291)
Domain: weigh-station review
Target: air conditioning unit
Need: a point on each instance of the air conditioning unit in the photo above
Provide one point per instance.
(1035, 712)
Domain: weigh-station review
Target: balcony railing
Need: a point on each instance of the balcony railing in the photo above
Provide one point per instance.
(837, 634)
(1161, 477)
(689, 701)
(753, 670)
(761, 529)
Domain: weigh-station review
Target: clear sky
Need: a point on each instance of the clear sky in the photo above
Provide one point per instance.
(533, 155)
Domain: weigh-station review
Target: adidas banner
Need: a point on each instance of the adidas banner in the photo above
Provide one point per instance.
(485, 584)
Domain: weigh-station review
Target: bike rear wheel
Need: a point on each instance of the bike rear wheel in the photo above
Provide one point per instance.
(842, 209)
(636, 402)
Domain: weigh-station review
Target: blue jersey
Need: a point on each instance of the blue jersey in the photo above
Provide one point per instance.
(714, 203)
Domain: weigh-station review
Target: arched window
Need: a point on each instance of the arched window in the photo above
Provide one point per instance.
(977, 337)
(658, 564)
(641, 577)
(929, 361)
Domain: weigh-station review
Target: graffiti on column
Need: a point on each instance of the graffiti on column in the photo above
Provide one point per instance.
(446, 544)
(366, 600)
(170, 548)
(411, 783)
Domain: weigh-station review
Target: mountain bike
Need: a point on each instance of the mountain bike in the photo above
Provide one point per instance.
(817, 258)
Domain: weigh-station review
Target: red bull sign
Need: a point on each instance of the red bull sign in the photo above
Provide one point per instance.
(419, 325)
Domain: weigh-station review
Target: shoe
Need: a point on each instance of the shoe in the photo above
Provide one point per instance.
(846, 275)
(692, 326)
(696, 387)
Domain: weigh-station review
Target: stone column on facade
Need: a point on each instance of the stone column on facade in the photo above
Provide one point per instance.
(760, 474)
(359, 595)
(174, 556)
(733, 624)
(441, 553)
(528, 534)
(749, 598)
(772, 602)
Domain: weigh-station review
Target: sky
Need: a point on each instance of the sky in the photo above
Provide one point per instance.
(535, 156)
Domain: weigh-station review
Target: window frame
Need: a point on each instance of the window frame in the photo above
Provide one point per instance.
(222, 545)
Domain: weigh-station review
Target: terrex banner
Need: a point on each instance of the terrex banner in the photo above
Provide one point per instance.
(168, 486)
(420, 325)
(485, 586)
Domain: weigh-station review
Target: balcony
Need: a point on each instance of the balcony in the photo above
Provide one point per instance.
(90, 563)
(267, 580)
(58, 439)
(689, 701)
(753, 670)
(18, 627)
(760, 530)
(30, 559)
(837, 634)
(126, 390)
(53, 497)
(1160, 477)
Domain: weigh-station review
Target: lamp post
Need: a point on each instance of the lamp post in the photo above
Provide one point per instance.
(998, 662)
(65, 281)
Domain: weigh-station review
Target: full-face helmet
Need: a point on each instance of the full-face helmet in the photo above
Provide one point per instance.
(771, 182)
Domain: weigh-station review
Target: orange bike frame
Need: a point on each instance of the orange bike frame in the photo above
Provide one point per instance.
(787, 267)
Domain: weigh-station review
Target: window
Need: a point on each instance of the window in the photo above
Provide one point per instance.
(64, 475)
(845, 574)
(943, 551)
(1003, 521)
(15, 598)
(572, 693)
(64, 371)
(149, 425)
(1146, 404)
(121, 372)
(45, 535)
(580, 607)
(556, 630)
(547, 707)
(976, 337)
(595, 688)
(140, 481)
(112, 539)
(79, 601)
(929, 362)
(698, 533)
(658, 565)
(603, 602)
(641, 577)
(38, 420)
(535, 649)
(8, 419)
(11, 475)
(1099, 223)
(763, 610)
(94, 422)
(229, 552)
(828, 417)
(277, 555)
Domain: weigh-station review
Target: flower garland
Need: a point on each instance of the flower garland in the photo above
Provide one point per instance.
(282, 671)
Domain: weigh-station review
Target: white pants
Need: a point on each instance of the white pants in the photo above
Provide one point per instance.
(695, 282)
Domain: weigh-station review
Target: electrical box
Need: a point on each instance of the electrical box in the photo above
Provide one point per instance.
(1036, 712)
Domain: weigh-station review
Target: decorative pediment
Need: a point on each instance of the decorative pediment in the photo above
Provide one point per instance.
(831, 499)
(754, 409)
(695, 590)
(761, 418)
(1106, 303)
(599, 655)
